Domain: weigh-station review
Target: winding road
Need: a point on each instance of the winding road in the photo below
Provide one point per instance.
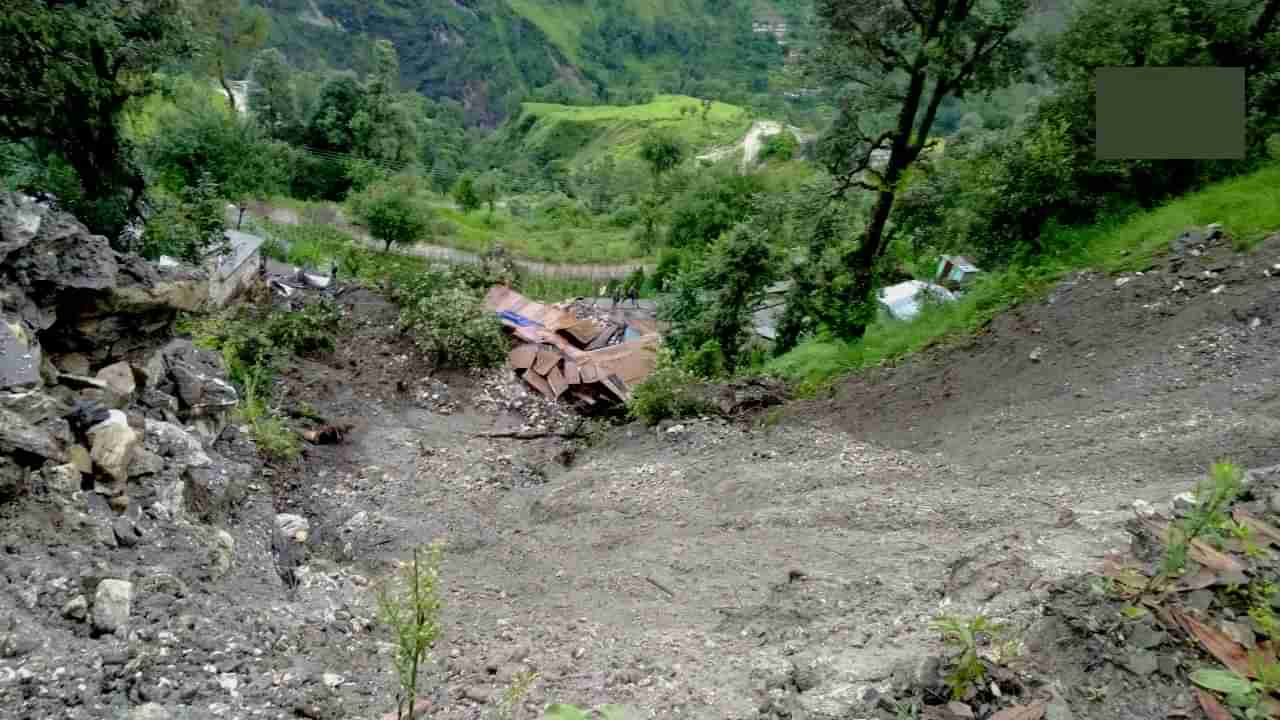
(288, 216)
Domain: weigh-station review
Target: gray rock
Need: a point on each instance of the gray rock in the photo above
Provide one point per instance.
(145, 462)
(1188, 239)
(126, 532)
(1273, 502)
(170, 441)
(34, 406)
(20, 220)
(73, 364)
(111, 445)
(215, 491)
(158, 400)
(18, 435)
(112, 604)
(14, 479)
(20, 355)
(1168, 666)
(77, 608)
(1141, 662)
(289, 543)
(1145, 637)
(119, 377)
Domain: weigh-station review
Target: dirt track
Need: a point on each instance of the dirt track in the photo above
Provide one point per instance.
(782, 568)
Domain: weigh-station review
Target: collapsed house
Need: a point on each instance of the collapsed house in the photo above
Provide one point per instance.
(590, 362)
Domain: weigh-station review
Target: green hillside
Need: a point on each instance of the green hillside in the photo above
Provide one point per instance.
(490, 55)
(547, 132)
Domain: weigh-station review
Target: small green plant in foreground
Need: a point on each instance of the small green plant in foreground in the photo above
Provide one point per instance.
(520, 686)
(1241, 693)
(1208, 519)
(964, 634)
(413, 614)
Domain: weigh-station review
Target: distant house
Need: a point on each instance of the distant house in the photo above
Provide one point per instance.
(955, 269)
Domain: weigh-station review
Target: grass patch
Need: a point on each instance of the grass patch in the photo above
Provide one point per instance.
(583, 134)
(1248, 207)
(478, 232)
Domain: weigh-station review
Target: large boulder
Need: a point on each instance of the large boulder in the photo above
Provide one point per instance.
(76, 293)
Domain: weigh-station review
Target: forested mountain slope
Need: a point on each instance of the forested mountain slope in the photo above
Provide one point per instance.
(491, 54)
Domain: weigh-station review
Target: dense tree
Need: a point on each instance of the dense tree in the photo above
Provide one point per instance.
(67, 71)
(893, 62)
(195, 138)
(274, 96)
(710, 307)
(393, 211)
(383, 126)
(663, 151)
(464, 193)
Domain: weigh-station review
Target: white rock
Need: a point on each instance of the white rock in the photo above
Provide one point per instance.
(112, 604)
(331, 680)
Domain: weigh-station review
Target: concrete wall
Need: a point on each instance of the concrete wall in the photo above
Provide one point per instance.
(235, 271)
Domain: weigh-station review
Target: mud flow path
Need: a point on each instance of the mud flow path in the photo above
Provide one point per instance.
(780, 566)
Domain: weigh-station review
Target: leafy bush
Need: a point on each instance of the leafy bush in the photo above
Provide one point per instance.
(670, 391)
(190, 227)
(307, 332)
(782, 146)
(451, 325)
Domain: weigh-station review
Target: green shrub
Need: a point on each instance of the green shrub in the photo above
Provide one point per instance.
(189, 227)
(452, 326)
(307, 332)
(670, 391)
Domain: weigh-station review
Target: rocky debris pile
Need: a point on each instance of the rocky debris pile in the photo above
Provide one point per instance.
(502, 393)
(116, 453)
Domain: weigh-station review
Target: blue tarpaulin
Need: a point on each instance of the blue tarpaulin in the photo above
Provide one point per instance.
(517, 319)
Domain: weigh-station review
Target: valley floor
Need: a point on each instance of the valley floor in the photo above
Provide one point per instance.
(781, 566)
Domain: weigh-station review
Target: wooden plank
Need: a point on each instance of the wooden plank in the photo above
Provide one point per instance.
(587, 373)
(540, 384)
(521, 358)
(571, 373)
(583, 332)
(546, 360)
(556, 380)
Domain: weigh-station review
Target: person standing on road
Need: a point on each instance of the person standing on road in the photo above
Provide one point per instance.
(616, 295)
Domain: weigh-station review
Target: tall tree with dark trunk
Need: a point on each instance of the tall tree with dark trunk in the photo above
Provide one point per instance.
(67, 71)
(891, 63)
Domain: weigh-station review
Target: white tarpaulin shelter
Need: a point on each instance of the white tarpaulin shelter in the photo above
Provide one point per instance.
(903, 301)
